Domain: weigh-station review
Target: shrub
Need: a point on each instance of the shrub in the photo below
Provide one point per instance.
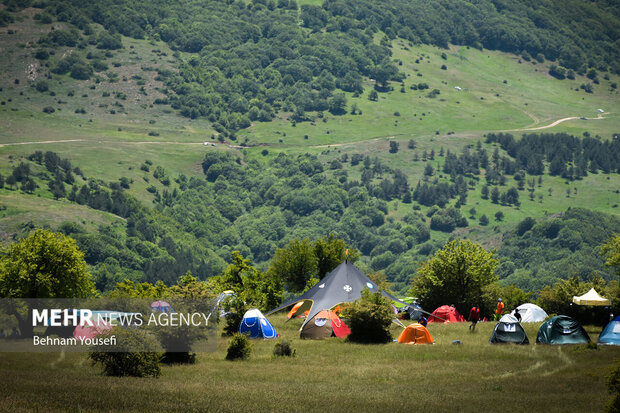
(41, 86)
(125, 363)
(283, 349)
(81, 71)
(239, 347)
(369, 319)
(613, 385)
(42, 54)
(49, 109)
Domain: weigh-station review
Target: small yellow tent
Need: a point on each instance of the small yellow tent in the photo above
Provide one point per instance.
(591, 298)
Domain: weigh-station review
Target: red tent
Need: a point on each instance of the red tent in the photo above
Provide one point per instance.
(446, 314)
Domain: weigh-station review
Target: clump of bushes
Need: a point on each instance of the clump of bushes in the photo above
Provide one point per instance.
(145, 363)
(369, 319)
(239, 347)
(283, 349)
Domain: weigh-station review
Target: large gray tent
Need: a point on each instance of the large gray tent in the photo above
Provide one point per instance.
(343, 285)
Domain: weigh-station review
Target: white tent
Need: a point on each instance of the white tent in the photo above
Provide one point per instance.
(531, 313)
(591, 298)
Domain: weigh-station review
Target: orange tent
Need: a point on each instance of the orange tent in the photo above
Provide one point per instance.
(296, 308)
(415, 333)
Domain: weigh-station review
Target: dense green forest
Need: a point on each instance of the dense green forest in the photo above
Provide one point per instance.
(247, 61)
(257, 206)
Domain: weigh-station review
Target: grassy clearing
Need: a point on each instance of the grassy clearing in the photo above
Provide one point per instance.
(529, 98)
(330, 375)
(24, 211)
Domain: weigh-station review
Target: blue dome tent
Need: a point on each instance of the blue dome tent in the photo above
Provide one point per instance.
(611, 333)
(256, 325)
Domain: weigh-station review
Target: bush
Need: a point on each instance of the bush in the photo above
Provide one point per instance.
(369, 319)
(41, 86)
(613, 385)
(125, 363)
(81, 71)
(239, 347)
(42, 54)
(49, 109)
(283, 348)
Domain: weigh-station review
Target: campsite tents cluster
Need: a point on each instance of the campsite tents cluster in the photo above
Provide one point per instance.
(346, 283)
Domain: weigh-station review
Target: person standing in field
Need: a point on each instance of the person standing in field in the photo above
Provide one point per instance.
(474, 316)
(499, 310)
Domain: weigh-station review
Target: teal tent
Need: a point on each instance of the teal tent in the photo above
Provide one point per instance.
(562, 329)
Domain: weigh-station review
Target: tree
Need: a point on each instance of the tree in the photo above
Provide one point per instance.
(370, 318)
(393, 146)
(338, 104)
(330, 252)
(295, 264)
(484, 192)
(484, 220)
(373, 95)
(495, 195)
(45, 264)
(499, 216)
(456, 274)
(611, 250)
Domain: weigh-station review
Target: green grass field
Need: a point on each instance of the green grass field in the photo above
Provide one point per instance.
(331, 375)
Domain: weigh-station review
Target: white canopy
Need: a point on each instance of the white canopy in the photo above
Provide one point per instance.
(591, 298)
(531, 313)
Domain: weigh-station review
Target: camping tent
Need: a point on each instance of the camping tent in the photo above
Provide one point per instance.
(293, 312)
(162, 306)
(562, 329)
(325, 324)
(256, 325)
(343, 285)
(446, 314)
(531, 313)
(591, 298)
(508, 330)
(221, 299)
(611, 333)
(415, 333)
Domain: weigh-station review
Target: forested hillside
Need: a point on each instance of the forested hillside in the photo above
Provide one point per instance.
(163, 136)
(251, 60)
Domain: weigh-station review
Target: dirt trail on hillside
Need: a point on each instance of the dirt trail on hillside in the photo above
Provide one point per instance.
(557, 122)
(551, 125)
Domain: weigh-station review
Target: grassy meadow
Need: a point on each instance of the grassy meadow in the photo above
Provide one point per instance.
(331, 375)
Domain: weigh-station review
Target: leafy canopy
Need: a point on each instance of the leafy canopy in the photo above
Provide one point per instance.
(45, 264)
(456, 274)
(369, 318)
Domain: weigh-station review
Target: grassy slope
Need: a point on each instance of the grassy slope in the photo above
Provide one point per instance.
(109, 146)
(331, 375)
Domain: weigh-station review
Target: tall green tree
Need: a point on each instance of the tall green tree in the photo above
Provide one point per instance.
(45, 264)
(295, 264)
(457, 274)
(611, 250)
(330, 252)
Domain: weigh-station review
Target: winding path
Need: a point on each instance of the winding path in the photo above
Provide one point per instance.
(551, 125)
(557, 122)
